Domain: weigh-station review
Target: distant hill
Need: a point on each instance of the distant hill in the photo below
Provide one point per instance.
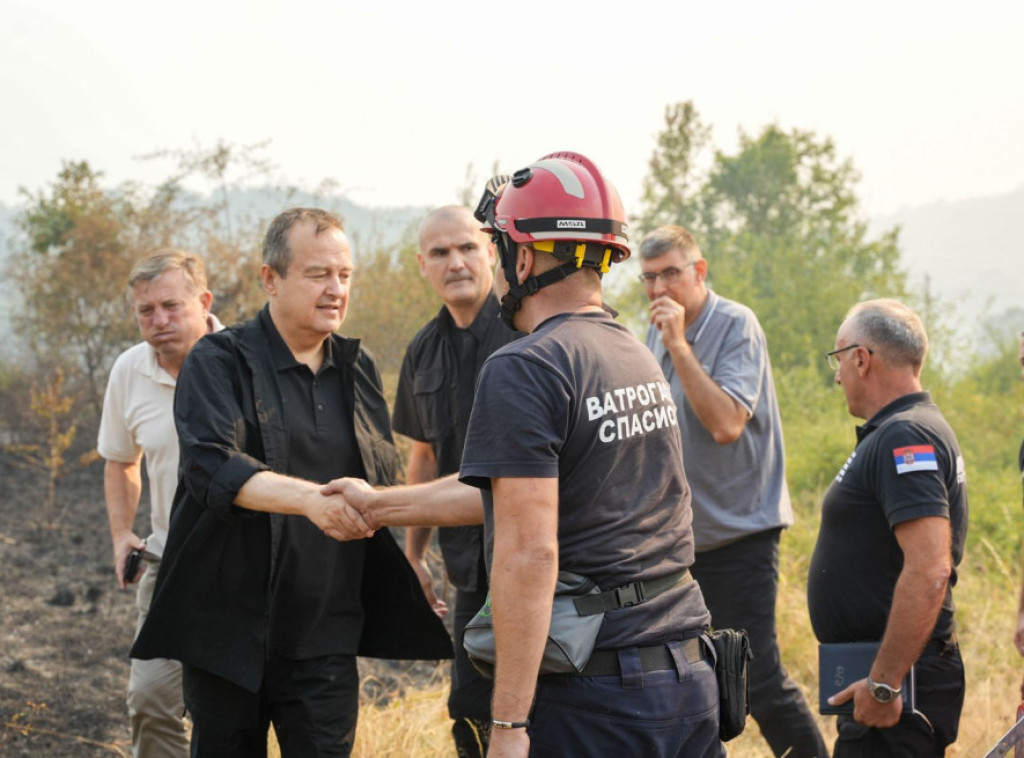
(366, 226)
(971, 251)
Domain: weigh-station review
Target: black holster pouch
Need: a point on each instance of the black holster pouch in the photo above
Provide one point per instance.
(732, 654)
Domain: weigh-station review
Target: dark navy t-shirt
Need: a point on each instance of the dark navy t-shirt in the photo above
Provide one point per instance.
(907, 465)
(582, 400)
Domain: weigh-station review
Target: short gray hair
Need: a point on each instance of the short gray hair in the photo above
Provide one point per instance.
(169, 259)
(892, 329)
(666, 238)
(276, 252)
(446, 212)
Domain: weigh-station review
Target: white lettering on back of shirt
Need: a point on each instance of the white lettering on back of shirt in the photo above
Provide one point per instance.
(632, 411)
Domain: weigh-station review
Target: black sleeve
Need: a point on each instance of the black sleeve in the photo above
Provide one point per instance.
(405, 420)
(213, 431)
(520, 440)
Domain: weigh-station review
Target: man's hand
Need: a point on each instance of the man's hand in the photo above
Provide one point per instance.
(358, 494)
(508, 743)
(670, 318)
(339, 520)
(440, 607)
(124, 543)
(867, 710)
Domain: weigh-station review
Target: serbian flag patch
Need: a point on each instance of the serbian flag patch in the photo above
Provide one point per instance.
(915, 458)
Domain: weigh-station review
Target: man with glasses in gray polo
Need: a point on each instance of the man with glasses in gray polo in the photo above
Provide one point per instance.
(715, 357)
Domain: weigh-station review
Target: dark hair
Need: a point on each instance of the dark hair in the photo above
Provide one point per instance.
(666, 238)
(276, 252)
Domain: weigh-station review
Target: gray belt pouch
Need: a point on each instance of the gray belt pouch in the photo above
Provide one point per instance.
(570, 639)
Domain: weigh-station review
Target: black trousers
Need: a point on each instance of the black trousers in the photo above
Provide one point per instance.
(313, 705)
(740, 582)
(469, 702)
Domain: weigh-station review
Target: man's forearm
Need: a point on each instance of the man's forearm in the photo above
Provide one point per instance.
(441, 502)
(916, 602)
(122, 488)
(417, 539)
(422, 468)
(523, 577)
(522, 588)
(718, 412)
(270, 492)
(915, 609)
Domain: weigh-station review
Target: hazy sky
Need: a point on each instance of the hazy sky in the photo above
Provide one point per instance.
(394, 100)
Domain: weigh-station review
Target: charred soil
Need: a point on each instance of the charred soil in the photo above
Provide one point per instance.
(65, 628)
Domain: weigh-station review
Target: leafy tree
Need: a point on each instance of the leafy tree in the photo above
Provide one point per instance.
(71, 275)
(674, 182)
(782, 229)
(81, 239)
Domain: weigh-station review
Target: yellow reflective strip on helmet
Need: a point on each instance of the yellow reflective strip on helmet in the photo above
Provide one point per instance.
(580, 254)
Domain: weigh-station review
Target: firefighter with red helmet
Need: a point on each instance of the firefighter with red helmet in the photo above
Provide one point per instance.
(573, 446)
(589, 233)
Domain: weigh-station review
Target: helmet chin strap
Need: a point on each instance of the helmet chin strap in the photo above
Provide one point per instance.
(512, 301)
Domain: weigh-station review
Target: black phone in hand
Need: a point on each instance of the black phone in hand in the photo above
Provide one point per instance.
(131, 566)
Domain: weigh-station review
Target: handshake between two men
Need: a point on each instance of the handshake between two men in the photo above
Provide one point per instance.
(352, 509)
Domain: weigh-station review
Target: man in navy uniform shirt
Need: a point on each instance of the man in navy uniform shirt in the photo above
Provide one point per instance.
(893, 525)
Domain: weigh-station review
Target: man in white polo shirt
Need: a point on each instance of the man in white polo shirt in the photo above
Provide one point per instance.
(171, 304)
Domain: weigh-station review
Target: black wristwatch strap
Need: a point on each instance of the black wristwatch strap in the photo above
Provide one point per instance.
(499, 724)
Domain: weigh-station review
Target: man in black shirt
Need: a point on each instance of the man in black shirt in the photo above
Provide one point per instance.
(432, 407)
(893, 526)
(266, 612)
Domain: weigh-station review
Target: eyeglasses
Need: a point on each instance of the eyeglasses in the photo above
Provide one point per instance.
(832, 357)
(669, 275)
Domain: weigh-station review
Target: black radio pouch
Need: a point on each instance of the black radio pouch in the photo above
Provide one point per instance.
(732, 654)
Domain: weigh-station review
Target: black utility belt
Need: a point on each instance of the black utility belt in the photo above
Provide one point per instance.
(653, 658)
(630, 594)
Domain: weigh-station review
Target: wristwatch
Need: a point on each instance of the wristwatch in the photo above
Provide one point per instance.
(883, 693)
